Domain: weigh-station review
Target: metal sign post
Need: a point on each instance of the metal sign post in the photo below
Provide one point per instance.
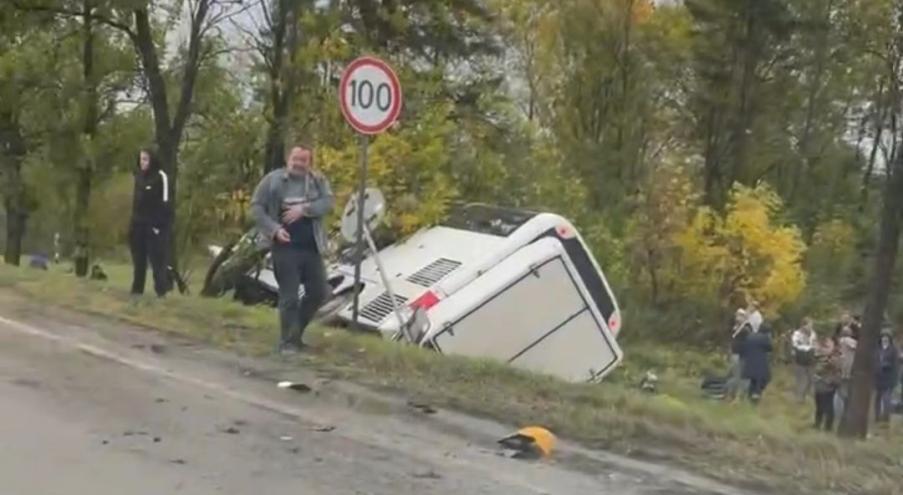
(370, 99)
(359, 244)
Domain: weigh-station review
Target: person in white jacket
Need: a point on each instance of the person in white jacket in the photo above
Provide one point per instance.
(754, 316)
(804, 341)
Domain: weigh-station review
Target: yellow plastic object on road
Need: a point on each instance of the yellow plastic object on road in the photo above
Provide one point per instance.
(531, 441)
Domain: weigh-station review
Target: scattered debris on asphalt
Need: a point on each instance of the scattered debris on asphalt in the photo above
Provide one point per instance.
(286, 438)
(161, 400)
(26, 382)
(323, 429)
(422, 407)
(157, 439)
(428, 475)
(231, 430)
(155, 348)
(178, 461)
(298, 387)
(532, 442)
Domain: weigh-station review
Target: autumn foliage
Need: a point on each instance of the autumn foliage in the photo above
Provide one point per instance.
(684, 253)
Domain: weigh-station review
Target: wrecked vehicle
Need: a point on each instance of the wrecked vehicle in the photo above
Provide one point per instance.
(506, 284)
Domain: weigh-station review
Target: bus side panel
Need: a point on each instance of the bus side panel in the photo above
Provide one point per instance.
(508, 307)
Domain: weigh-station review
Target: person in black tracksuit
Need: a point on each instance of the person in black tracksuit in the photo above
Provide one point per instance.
(150, 224)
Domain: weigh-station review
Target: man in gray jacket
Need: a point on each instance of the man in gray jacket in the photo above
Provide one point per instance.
(289, 206)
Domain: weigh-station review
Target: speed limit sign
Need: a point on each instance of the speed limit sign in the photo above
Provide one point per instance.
(370, 95)
(370, 99)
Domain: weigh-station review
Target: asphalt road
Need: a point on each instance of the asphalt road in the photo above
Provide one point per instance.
(88, 407)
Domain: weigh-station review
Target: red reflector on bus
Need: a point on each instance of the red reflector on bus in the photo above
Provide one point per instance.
(425, 301)
(565, 231)
(613, 324)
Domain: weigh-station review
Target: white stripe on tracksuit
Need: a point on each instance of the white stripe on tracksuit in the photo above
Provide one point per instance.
(165, 179)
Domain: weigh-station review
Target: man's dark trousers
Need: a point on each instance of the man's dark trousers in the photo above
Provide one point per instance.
(295, 266)
(149, 243)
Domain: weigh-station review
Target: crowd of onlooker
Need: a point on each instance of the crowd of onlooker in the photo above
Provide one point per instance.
(822, 365)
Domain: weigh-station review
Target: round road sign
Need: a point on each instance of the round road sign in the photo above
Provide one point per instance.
(370, 95)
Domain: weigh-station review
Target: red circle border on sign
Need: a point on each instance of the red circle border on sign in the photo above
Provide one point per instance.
(396, 93)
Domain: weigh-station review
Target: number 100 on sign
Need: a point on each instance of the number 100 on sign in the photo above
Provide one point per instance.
(370, 95)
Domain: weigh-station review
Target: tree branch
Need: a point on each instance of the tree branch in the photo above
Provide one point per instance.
(156, 85)
(192, 66)
(20, 5)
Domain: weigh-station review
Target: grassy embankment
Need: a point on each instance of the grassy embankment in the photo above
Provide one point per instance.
(769, 446)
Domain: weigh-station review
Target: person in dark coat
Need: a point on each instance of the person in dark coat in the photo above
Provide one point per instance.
(756, 366)
(150, 224)
(887, 372)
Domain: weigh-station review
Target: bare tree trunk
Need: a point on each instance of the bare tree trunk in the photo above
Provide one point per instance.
(86, 170)
(738, 144)
(12, 153)
(15, 232)
(283, 79)
(856, 418)
(880, 118)
(713, 180)
(169, 131)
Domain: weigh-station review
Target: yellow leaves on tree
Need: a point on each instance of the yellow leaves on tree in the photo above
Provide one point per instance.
(834, 238)
(663, 208)
(640, 10)
(232, 208)
(410, 166)
(743, 253)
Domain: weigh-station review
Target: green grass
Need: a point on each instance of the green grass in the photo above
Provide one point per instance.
(767, 446)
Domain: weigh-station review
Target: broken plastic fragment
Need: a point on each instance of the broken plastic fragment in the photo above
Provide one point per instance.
(300, 387)
(422, 407)
(530, 443)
